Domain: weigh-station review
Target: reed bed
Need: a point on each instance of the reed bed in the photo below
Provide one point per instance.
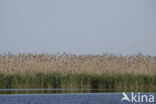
(101, 83)
(69, 63)
(102, 72)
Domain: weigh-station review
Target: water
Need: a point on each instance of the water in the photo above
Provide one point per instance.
(64, 98)
(86, 98)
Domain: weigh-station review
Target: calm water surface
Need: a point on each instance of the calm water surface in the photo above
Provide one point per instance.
(87, 98)
(63, 98)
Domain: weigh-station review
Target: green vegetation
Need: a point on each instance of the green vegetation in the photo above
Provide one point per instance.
(102, 82)
(102, 73)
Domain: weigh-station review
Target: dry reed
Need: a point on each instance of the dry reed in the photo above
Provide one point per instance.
(69, 63)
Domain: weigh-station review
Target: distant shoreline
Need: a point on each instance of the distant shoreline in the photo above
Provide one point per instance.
(118, 73)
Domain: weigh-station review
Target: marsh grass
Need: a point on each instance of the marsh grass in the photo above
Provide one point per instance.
(69, 63)
(102, 72)
(112, 82)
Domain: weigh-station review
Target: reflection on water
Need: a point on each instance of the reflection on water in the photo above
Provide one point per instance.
(50, 91)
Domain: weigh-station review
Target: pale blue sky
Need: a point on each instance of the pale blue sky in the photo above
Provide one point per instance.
(78, 26)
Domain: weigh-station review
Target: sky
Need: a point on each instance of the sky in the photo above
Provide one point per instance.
(78, 26)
